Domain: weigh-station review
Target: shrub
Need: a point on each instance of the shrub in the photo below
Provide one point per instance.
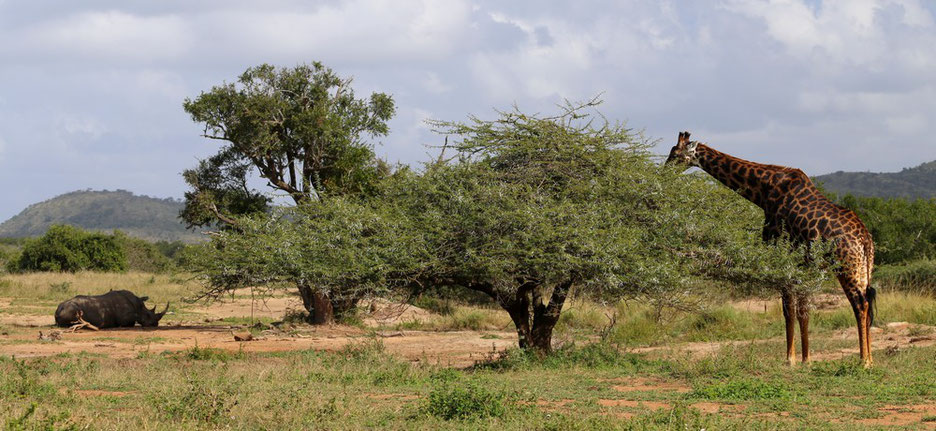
(450, 400)
(917, 275)
(142, 255)
(742, 389)
(69, 249)
(199, 400)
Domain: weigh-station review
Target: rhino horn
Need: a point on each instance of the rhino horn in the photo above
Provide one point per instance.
(160, 315)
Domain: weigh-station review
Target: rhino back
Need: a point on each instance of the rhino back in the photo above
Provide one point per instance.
(110, 310)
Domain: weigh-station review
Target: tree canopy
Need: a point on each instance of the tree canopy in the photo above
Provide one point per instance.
(534, 209)
(300, 128)
(528, 209)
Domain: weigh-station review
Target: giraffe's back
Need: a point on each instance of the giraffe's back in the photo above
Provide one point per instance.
(808, 215)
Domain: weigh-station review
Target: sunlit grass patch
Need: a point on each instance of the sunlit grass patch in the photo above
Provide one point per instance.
(904, 306)
(59, 286)
(463, 318)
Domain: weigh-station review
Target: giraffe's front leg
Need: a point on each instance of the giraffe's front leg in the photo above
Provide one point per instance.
(789, 315)
(802, 314)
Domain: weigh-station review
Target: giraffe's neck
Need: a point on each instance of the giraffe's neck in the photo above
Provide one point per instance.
(751, 180)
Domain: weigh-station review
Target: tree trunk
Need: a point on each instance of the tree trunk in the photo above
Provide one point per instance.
(546, 315)
(319, 306)
(520, 314)
(533, 318)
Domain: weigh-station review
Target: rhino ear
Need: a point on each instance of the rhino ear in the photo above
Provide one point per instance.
(144, 299)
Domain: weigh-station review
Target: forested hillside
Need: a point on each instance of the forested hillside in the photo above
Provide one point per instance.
(139, 216)
(916, 182)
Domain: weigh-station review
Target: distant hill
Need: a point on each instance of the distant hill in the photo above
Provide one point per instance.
(917, 182)
(138, 216)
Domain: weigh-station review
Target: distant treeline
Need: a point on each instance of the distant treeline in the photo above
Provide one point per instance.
(910, 183)
(904, 230)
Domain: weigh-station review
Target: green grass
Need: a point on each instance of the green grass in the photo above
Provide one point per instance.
(576, 388)
(364, 387)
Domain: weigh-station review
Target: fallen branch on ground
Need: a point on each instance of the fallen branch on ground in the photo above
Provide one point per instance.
(81, 323)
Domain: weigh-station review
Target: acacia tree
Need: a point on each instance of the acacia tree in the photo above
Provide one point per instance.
(346, 247)
(302, 130)
(535, 209)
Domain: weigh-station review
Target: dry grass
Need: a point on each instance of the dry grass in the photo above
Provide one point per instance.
(41, 287)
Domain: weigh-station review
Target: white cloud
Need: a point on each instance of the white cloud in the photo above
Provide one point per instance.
(535, 70)
(367, 31)
(77, 125)
(110, 34)
(845, 31)
(818, 84)
(434, 84)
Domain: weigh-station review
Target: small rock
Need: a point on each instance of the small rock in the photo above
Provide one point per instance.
(52, 336)
(242, 336)
(390, 334)
(897, 325)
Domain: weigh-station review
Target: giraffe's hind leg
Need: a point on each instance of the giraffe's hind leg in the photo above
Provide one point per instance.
(789, 315)
(802, 314)
(861, 307)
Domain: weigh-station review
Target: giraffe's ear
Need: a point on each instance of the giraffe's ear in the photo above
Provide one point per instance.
(683, 137)
(691, 145)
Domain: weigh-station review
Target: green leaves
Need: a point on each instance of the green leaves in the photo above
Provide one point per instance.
(67, 248)
(300, 128)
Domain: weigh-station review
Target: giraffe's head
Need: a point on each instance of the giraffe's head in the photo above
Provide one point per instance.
(684, 152)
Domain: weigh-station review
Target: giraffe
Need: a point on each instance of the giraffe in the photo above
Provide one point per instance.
(792, 204)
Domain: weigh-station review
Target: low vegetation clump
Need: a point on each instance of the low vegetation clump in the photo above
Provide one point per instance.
(199, 401)
(68, 249)
(742, 390)
(65, 248)
(916, 275)
(460, 400)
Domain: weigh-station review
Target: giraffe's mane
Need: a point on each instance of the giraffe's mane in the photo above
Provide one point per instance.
(748, 162)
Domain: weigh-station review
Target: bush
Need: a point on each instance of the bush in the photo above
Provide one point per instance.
(466, 400)
(918, 275)
(200, 401)
(69, 249)
(142, 255)
(742, 390)
(903, 229)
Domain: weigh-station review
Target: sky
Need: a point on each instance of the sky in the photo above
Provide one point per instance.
(91, 92)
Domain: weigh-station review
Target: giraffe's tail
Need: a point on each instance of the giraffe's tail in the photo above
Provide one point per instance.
(871, 295)
(870, 292)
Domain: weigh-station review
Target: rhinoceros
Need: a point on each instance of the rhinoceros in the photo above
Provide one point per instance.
(114, 309)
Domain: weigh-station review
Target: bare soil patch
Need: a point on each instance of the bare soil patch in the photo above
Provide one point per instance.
(889, 339)
(708, 407)
(895, 415)
(642, 384)
(651, 405)
(101, 393)
(458, 349)
(820, 302)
